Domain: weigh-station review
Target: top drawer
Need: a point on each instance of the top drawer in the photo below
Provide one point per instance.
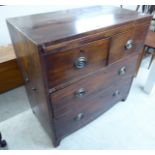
(63, 66)
(122, 45)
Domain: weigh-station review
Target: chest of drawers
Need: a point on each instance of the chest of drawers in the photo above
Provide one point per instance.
(77, 63)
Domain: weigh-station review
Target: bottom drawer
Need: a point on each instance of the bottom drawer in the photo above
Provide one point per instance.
(94, 106)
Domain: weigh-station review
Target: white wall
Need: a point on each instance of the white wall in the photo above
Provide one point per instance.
(12, 11)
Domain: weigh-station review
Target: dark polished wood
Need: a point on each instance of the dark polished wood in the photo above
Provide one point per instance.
(48, 28)
(77, 63)
(118, 45)
(62, 66)
(94, 83)
(92, 107)
(30, 66)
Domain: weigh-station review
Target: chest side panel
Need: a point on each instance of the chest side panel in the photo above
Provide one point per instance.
(30, 66)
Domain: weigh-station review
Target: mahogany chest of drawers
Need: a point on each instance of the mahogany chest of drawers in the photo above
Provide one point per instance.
(77, 63)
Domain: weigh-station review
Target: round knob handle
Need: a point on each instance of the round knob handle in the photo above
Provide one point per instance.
(79, 93)
(129, 44)
(79, 117)
(26, 79)
(122, 71)
(81, 62)
(34, 89)
(116, 93)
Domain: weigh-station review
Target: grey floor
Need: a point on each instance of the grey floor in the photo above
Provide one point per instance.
(128, 125)
(13, 102)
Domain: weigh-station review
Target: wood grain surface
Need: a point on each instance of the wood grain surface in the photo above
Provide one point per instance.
(48, 47)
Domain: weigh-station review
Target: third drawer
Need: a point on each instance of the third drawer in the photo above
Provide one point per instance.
(77, 115)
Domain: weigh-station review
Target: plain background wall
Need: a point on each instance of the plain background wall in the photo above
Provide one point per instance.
(13, 11)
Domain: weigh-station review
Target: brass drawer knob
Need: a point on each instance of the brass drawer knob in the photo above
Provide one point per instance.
(116, 93)
(122, 71)
(26, 79)
(34, 89)
(81, 62)
(79, 117)
(129, 44)
(80, 93)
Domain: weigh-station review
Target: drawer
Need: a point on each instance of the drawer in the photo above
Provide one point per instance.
(63, 66)
(92, 107)
(98, 81)
(122, 45)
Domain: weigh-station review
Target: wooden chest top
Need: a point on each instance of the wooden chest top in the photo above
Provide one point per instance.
(69, 24)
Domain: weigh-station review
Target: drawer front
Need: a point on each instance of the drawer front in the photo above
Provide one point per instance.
(86, 87)
(68, 65)
(92, 108)
(122, 45)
